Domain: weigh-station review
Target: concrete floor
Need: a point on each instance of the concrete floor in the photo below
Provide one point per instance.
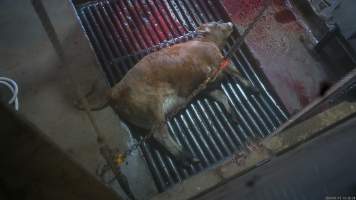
(277, 43)
(47, 94)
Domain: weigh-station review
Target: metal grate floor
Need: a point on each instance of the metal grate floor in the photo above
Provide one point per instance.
(122, 32)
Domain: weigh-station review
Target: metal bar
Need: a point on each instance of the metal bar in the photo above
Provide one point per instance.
(149, 24)
(189, 15)
(177, 4)
(156, 13)
(232, 145)
(138, 22)
(176, 10)
(280, 111)
(243, 120)
(208, 134)
(165, 17)
(153, 21)
(98, 30)
(200, 135)
(170, 20)
(103, 29)
(233, 131)
(249, 106)
(154, 169)
(266, 116)
(175, 135)
(164, 168)
(112, 43)
(190, 9)
(213, 129)
(272, 112)
(184, 172)
(177, 174)
(194, 140)
(245, 110)
(181, 30)
(109, 25)
(205, 10)
(128, 41)
(95, 42)
(253, 79)
(123, 10)
(212, 9)
(125, 26)
(173, 172)
(199, 12)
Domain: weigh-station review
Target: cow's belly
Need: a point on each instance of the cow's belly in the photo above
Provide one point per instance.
(171, 103)
(147, 105)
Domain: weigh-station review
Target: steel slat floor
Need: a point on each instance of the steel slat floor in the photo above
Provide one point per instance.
(122, 32)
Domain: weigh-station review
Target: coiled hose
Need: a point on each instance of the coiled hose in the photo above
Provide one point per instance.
(12, 86)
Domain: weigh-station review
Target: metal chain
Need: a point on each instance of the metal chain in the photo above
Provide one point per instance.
(188, 36)
(134, 147)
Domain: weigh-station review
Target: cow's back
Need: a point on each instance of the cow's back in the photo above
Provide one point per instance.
(183, 66)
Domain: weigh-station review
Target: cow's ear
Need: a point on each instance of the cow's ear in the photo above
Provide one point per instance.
(203, 29)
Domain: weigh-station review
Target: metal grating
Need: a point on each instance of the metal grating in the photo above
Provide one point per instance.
(122, 32)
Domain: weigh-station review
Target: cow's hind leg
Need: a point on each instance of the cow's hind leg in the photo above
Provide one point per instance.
(162, 136)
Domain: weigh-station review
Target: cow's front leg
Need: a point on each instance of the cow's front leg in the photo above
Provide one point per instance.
(220, 97)
(234, 72)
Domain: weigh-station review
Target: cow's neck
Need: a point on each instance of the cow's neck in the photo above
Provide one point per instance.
(211, 39)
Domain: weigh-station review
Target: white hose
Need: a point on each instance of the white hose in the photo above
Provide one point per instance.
(11, 84)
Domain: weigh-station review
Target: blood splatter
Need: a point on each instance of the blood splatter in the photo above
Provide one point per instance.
(284, 16)
(295, 27)
(243, 11)
(277, 4)
(301, 94)
(295, 88)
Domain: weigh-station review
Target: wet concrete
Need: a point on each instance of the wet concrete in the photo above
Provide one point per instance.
(277, 42)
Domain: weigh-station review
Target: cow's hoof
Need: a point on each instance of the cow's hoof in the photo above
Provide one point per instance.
(186, 159)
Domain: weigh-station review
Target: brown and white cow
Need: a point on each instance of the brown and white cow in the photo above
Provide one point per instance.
(162, 81)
